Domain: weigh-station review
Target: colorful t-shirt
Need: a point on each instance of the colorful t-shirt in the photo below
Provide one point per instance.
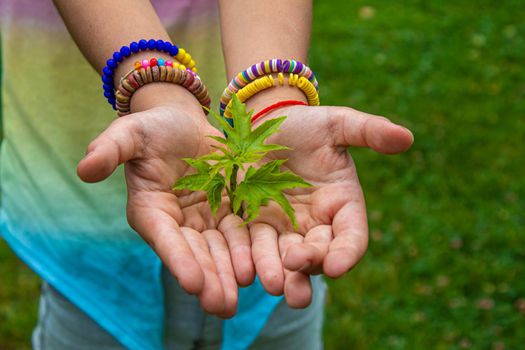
(75, 235)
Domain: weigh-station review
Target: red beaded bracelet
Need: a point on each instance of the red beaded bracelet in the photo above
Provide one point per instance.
(277, 106)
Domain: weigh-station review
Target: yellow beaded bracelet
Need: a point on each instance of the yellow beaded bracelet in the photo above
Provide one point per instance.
(268, 81)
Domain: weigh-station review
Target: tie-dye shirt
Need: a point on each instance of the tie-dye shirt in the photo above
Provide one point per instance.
(75, 235)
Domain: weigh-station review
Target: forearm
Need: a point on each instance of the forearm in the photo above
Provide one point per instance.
(99, 28)
(253, 31)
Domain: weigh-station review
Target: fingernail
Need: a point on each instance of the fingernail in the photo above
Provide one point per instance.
(89, 154)
(407, 129)
(306, 266)
(410, 132)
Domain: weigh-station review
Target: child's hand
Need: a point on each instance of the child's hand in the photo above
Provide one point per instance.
(208, 256)
(333, 230)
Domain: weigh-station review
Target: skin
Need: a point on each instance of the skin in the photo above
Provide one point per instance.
(193, 244)
(333, 230)
(211, 256)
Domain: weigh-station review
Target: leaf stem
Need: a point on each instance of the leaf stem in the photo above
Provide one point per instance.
(233, 186)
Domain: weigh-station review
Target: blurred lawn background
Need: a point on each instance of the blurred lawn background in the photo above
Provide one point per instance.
(447, 220)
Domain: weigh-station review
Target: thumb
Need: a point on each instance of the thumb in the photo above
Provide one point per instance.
(359, 129)
(120, 142)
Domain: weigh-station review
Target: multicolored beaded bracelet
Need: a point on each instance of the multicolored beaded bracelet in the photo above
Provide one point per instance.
(268, 81)
(263, 68)
(142, 45)
(159, 70)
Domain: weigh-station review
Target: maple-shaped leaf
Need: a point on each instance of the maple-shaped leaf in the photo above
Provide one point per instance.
(205, 179)
(214, 192)
(247, 145)
(240, 147)
(242, 121)
(264, 184)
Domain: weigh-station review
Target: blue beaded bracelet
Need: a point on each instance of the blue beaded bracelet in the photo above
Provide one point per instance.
(112, 63)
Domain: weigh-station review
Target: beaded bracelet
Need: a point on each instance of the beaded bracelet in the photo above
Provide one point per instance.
(263, 68)
(143, 45)
(268, 81)
(159, 70)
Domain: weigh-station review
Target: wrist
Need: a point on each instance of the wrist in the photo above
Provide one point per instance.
(271, 96)
(165, 95)
(274, 95)
(157, 94)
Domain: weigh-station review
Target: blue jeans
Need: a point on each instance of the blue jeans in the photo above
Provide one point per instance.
(61, 325)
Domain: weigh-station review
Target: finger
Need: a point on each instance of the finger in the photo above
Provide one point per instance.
(350, 229)
(354, 128)
(212, 295)
(297, 289)
(120, 142)
(161, 231)
(221, 256)
(297, 286)
(308, 257)
(238, 239)
(268, 263)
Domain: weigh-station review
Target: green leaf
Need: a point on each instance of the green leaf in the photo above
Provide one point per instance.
(212, 156)
(226, 127)
(242, 121)
(265, 130)
(199, 164)
(264, 184)
(219, 139)
(240, 147)
(214, 192)
(209, 181)
(226, 165)
(193, 182)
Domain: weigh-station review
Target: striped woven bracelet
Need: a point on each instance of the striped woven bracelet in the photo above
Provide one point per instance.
(112, 63)
(263, 68)
(158, 70)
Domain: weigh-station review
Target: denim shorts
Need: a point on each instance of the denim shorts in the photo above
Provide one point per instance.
(61, 325)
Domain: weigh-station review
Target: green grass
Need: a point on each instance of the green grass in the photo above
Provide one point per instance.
(447, 218)
(19, 291)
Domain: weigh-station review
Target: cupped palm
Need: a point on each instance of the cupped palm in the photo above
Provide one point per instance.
(332, 234)
(192, 243)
